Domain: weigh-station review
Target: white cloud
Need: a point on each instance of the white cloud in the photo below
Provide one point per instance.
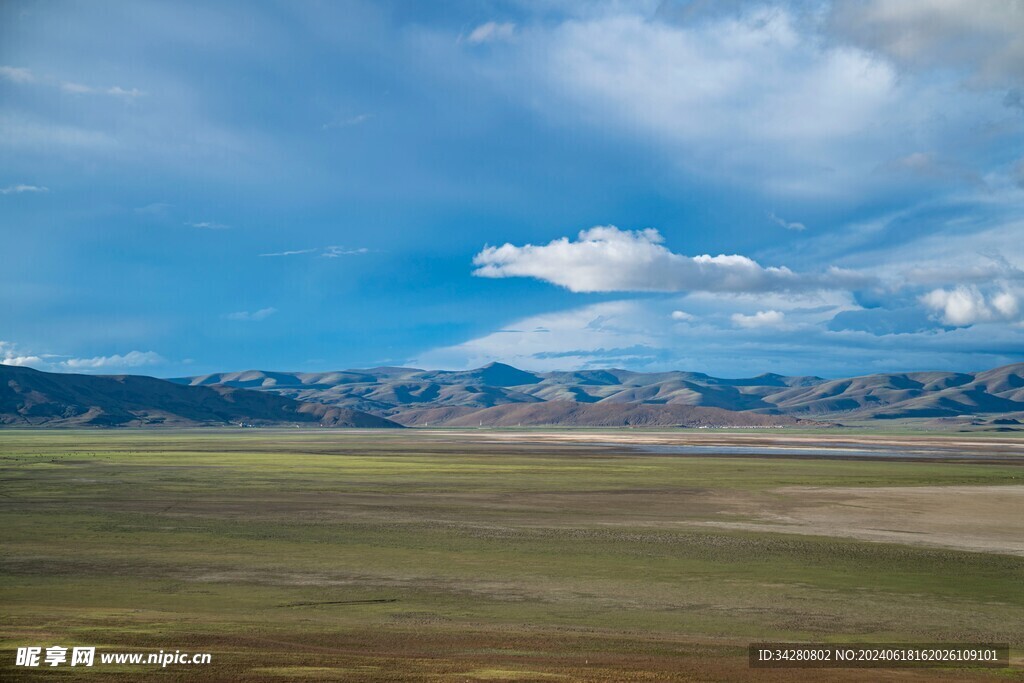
(336, 252)
(648, 333)
(76, 88)
(969, 238)
(11, 355)
(208, 225)
(607, 259)
(1006, 304)
(968, 305)
(491, 31)
(17, 74)
(332, 251)
(118, 91)
(641, 334)
(293, 252)
(18, 189)
(759, 319)
(753, 95)
(551, 341)
(252, 316)
(983, 37)
(132, 359)
(772, 97)
(23, 361)
(788, 225)
(23, 76)
(752, 74)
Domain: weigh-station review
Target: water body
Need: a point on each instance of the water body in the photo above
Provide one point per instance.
(887, 452)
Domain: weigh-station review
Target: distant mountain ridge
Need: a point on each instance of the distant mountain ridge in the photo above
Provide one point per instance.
(32, 398)
(407, 395)
(501, 395)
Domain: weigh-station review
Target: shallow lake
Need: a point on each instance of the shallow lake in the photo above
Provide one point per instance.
(838, 451)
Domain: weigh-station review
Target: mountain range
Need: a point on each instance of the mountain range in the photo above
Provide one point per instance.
(501, 395)
(415, 397)
(32, 398)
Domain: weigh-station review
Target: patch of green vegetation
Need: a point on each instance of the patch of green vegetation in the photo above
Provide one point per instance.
(249, 543)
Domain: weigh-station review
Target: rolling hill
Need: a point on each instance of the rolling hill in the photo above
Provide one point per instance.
(32, 398)
(500, 395)
(414, 396)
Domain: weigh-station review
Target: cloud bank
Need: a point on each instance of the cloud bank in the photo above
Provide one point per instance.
(21, 188)
(728, 335)
(132, 359)
(967, 305)
(759, 319)
(10, 354)
(983, 38)
(607, 259)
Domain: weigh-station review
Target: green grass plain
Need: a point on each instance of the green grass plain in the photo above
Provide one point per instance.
(373, 556)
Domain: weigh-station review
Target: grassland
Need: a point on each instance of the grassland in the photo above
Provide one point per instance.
(454, 556)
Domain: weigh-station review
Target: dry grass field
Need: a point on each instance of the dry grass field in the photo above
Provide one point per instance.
(505, 555)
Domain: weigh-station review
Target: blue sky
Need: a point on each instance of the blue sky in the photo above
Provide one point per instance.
(726, 187)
